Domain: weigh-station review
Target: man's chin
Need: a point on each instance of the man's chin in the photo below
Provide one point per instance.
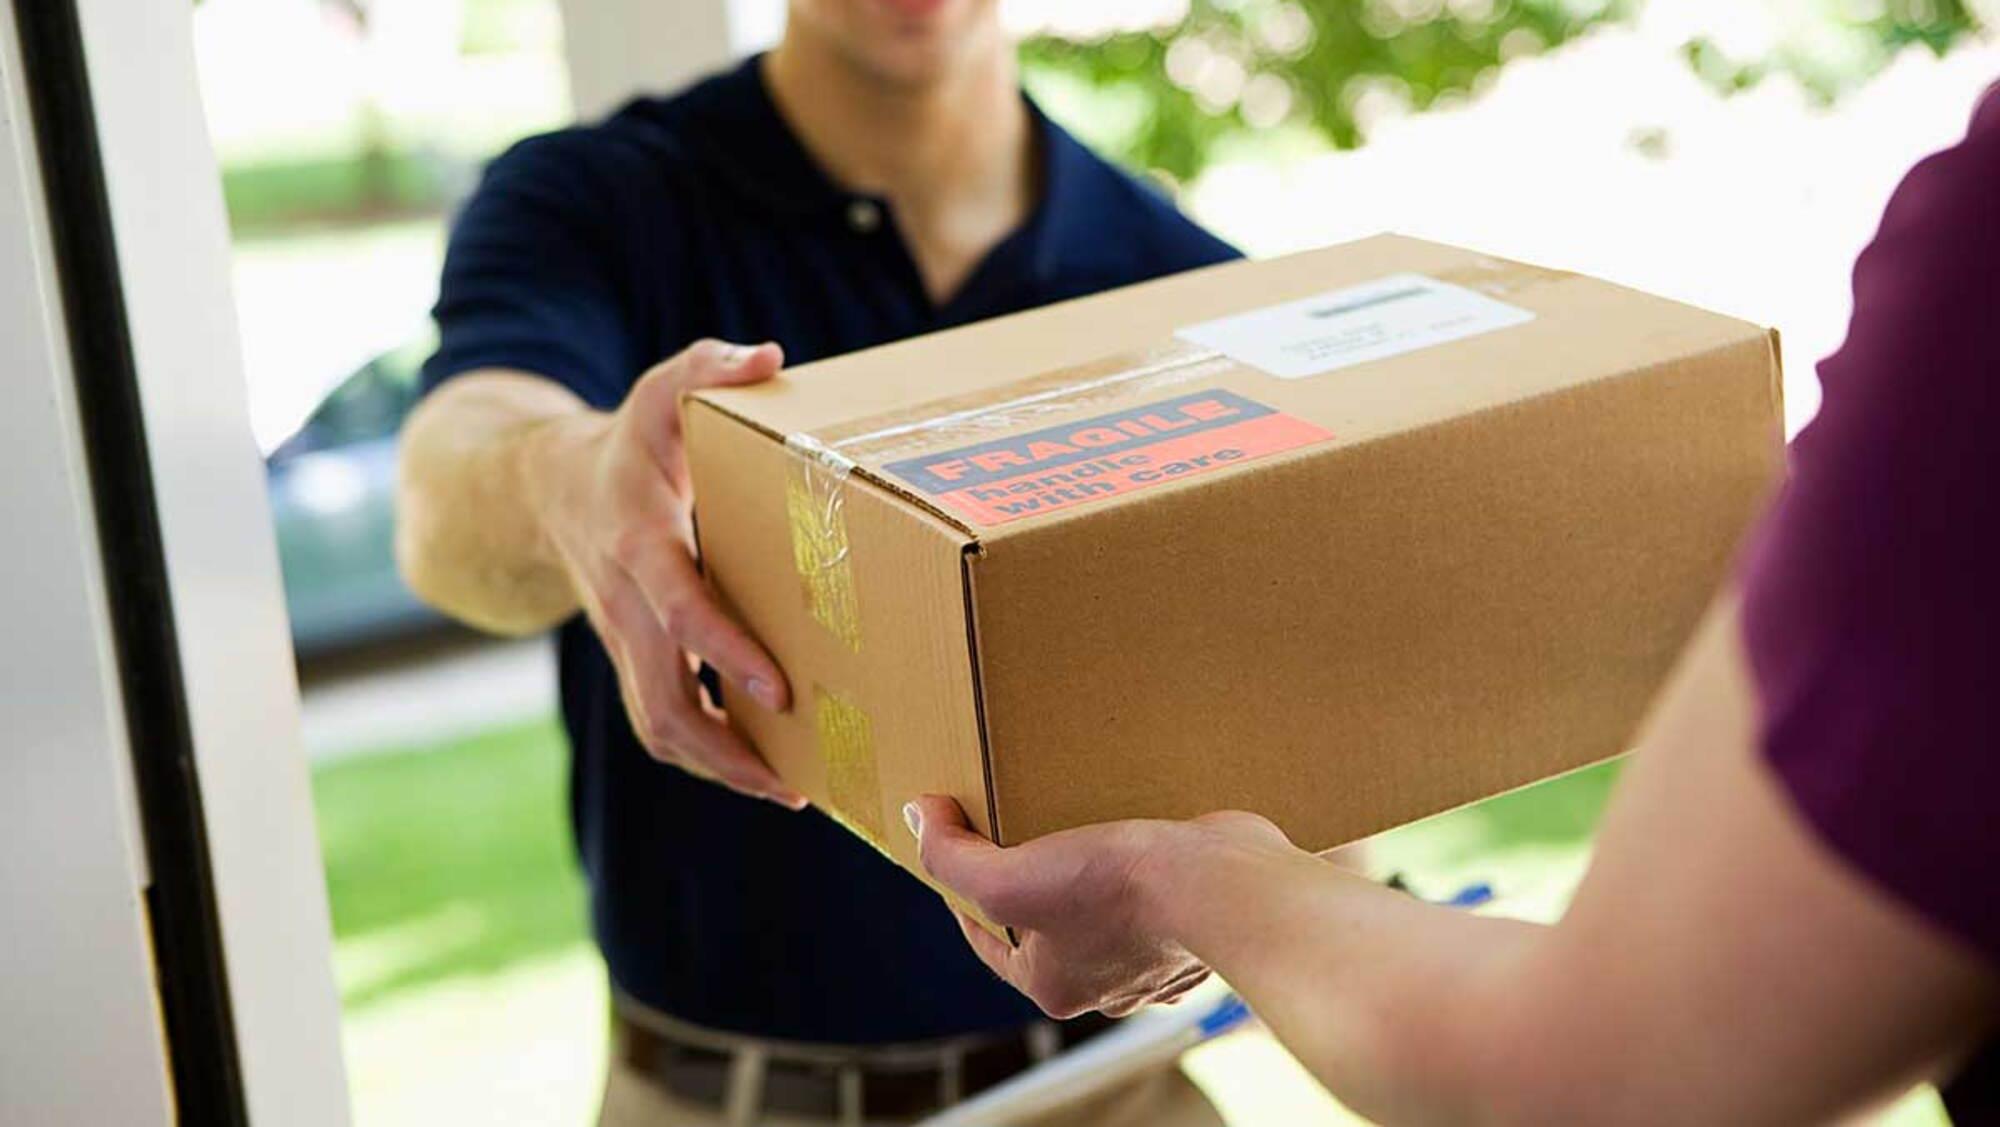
(916, 10)
(918, 58)
(918, 66)
(911, 42)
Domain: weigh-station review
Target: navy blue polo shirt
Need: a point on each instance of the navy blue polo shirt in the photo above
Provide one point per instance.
(589, 254)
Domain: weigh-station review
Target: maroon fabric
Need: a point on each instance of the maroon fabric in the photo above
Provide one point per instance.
(1871, 609)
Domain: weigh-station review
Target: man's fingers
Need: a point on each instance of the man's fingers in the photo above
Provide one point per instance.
(961, 858)
(654, 406)
(611, 635)
(719, 363)
(712, 747)
(665, 710)
(692, 740)
(1243, 822)
(991, 949)
(666, 575)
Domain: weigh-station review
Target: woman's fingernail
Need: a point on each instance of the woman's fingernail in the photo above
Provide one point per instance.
(914, 818)
(737, 354)
(765, 692)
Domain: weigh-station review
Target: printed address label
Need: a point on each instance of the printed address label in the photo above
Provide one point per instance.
(1110, 455)
(1339, 329)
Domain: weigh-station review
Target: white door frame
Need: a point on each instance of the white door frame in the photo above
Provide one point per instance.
(76, 968)
(162, 875)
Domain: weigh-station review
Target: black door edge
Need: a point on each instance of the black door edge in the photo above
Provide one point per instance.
(180, 900)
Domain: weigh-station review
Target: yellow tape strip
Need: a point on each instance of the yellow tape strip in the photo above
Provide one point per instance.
(847, 745)
(813, 508)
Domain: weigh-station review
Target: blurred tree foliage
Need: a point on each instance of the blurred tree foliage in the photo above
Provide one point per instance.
(1228, 68)
(1831, 46)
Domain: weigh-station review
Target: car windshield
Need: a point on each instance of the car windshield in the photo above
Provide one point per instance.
(369, 404)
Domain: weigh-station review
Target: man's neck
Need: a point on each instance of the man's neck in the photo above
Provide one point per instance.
(963, 135)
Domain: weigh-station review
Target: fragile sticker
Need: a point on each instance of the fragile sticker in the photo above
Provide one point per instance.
(1341, 328)
(1060, 467)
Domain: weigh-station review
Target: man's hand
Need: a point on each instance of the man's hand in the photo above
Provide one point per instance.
(1079, 902)
(610, 494)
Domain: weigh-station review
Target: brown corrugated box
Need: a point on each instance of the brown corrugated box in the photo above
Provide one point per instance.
(1097, 561)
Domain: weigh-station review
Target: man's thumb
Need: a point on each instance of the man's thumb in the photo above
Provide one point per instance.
(716, 363)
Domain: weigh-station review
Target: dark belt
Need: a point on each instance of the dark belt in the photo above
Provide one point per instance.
(905, 1083)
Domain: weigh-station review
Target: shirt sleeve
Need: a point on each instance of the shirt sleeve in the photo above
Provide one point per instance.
(1871, 612)
(534, 278)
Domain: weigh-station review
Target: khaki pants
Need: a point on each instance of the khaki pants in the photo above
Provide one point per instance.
(1165, 1098)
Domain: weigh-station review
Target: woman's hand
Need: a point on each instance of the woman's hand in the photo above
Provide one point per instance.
(1082, 902)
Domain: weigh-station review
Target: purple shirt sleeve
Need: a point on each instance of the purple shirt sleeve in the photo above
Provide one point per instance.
(1871, 610)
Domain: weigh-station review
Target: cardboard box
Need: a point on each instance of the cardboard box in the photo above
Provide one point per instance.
(1346, 538)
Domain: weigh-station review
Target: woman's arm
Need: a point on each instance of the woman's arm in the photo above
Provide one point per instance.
(1717, 965)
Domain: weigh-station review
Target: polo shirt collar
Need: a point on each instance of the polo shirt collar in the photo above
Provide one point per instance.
(743, 137)
(738, 133)
(1065, 232)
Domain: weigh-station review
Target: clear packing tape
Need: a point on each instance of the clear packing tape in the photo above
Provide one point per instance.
(815, 496)
(816, 486)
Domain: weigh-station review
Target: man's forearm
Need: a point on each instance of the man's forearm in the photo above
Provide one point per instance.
(469, 539)
(1392, 1003)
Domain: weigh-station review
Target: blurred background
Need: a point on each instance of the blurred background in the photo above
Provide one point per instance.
(1730, 153)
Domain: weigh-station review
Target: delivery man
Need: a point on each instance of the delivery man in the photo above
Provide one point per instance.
(1792, 913)
(879, 174)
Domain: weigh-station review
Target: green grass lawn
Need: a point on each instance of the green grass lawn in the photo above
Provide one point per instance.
(471, 993)
(448, 862)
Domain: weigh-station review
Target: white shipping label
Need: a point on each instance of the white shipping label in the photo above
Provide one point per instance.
(1341, 328)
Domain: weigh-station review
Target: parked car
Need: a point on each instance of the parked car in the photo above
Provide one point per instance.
(333, 491)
